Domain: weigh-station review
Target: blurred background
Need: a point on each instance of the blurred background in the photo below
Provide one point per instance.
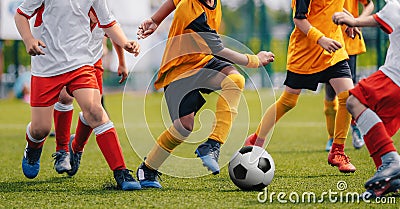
(259, 24)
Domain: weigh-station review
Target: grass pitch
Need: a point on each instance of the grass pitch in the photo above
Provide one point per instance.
(297, 147)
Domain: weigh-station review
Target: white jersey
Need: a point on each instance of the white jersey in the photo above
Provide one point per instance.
(64, 27)
(96, 43)
(389, 19)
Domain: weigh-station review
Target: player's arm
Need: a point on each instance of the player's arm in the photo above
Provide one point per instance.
(368, 8)
(108, 23)
(122, 70)
(214, 43)
(148, 26)
(341, 18)
(301, 22)
(21, 18)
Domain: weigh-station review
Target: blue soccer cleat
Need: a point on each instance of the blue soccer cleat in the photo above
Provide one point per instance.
(148, 177)
(329, 144)
(208, 152)
(389, 170)
(75, 158)
(61, 161)
(125, 181)
(358, 140)
(31, 162)
(392, 186)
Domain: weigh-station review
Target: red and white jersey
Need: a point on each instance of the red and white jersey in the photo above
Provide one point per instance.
(64, 26)
(389, 19)
(96, 42)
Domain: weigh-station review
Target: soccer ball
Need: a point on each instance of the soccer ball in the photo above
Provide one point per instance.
(251, 168)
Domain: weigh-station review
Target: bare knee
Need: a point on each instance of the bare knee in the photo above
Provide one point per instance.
(39, 132)
(65, 98)
(95, 115)
(351, 103)
(184, 125)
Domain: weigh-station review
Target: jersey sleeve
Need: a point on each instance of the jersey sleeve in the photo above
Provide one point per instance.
(103, 14)
(210, 36)
(389, 17)
(176, 2)
(301, 9)
(28, 8)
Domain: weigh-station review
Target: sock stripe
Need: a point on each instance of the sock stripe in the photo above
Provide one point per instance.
(103, 128)
(63, 107)
(83, 119)
(367, 120)
(30, 136)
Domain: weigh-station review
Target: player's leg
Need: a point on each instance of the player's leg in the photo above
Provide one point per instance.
(36, 133)
(284, 104)
(357, 139)
(147, 172)
(44, 93)
(336, 156)
(83, 130)
(231, 83)
(330, 109)
(381, 148)
(84, 89)
(63, 111)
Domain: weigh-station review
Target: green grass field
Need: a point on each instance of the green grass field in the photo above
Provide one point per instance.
(297, 147)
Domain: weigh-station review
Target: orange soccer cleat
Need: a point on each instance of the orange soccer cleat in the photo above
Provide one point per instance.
(336, 157)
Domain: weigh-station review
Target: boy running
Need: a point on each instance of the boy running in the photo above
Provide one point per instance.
(195, 62)
(315, 55)
(374, 102)
(61, 57)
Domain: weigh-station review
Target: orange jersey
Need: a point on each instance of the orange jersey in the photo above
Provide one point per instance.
(357, 45)
(186, 51)
(304, 56)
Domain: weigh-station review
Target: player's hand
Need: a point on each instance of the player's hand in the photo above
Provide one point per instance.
(265, 57)
(146, 28)
(122, 71)
(33, 47)
(341, 18)
(328, 44)
(352, 32)
(132, 47)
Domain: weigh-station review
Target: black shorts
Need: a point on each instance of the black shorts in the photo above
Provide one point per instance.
(184, 96)
(311, 81)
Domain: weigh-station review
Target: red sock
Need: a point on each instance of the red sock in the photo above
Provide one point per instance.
(110, 147)
(62, 124)
(82, 135)
(353, 122)
(378, 143)
(340, 147)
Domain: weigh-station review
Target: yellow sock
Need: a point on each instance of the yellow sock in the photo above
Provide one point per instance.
(285, 103)
(343, 119)
(227, 105)
(166, 143)
(330, 109)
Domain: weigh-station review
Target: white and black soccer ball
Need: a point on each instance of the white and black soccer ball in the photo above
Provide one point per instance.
(251, 168)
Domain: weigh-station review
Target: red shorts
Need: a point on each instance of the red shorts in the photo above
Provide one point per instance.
(45, 90)
(99, 74)
(379, 93)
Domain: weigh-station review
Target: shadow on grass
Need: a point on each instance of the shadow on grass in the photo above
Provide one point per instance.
(31, 185)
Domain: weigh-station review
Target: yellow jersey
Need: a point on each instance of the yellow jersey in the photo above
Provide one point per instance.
(187, 49)
(304, 56)
(357, 45)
